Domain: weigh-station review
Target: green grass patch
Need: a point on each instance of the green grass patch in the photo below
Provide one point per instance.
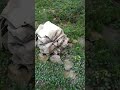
(70, 16)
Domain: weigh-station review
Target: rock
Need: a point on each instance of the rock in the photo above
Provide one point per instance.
(74, 41)
(65, 43)
(57, 51)
(56, 59)
(50, 37)
(42, 57)
(68, 64)
(70, 44)
(70, 74)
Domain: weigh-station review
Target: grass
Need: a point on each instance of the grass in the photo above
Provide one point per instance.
(104, 64)
(70, 16)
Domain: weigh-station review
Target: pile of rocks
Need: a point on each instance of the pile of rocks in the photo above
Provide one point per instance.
(51, 40)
